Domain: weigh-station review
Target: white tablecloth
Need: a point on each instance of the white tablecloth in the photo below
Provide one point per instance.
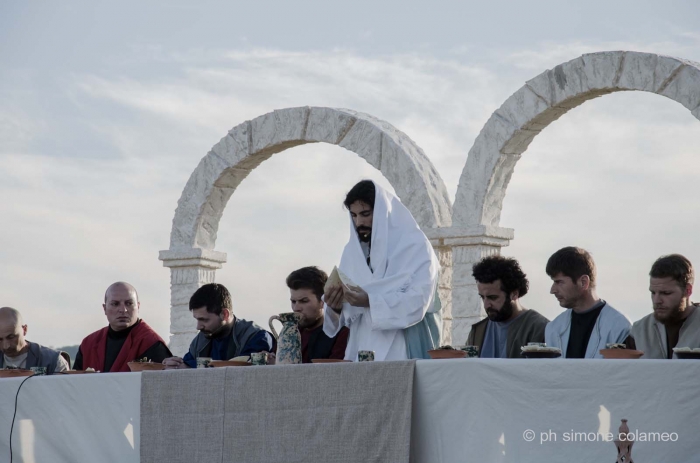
(481, 411)
(72, 418)
(463, 411)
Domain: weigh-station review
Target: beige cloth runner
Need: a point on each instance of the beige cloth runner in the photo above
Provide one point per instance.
(330, 413)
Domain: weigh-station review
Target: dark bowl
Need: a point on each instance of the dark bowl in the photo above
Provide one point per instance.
(541, 355)
(688, 355)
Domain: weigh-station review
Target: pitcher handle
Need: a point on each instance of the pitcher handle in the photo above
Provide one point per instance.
(274, 332)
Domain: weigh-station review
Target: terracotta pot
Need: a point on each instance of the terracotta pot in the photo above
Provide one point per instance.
(621, 353)
(447, 354)
(229, 363)
(145, 366)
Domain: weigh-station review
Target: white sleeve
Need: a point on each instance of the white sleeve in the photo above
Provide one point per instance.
(61, 364)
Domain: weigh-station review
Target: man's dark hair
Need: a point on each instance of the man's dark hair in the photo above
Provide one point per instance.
(311, 278)
(572, 262)
(675, 266)
(492, 268)
(364, 191)
(213, 296)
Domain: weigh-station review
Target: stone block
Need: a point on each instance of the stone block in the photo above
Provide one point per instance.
(601, 71)
(328, 125)
(181, 319)
(446, 338)
(466, 302)
(278, 130)
(235, 145)
(685, 87)
(522, 107)
(365, 140)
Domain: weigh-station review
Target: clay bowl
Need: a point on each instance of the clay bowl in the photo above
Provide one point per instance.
(229, 363)
(145, 366)
(15, 373)
(621, 353)
(447, 354)
(329, 361)
(541, 355)
(688, 355)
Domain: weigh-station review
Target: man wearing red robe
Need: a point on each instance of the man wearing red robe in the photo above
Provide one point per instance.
(126, 338)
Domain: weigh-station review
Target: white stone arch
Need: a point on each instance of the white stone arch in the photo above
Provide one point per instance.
(511, 128)
(192, 258)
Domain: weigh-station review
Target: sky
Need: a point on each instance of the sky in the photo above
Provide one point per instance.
(107, 108)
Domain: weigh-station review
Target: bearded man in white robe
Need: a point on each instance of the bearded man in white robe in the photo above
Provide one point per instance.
(393, 309)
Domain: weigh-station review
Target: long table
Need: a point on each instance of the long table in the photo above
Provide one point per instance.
(472, 410)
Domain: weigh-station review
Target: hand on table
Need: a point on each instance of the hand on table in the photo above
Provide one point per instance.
(174, 363)
(271, 358)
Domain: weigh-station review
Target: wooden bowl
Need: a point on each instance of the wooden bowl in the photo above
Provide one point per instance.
(447, 354)
(145, 366)
(329, 361)
(621, 353)
(15, 373)
(229, 363)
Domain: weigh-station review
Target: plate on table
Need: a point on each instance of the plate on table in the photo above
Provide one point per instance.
(145, 366)
(621, 353)
(329, 361)
(229, 363)
(541, 354)
(686, 353)
(76, 372)
(18, 373)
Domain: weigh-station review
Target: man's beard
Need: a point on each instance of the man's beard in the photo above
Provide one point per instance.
(674, 315)
(364, 233)
(501, 315)
(216, 333)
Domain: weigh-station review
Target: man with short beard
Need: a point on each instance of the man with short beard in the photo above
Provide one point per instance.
(508, 326)
(675, 320)
(391, 307)
(589, 323)
(221, 335)
(305, 293)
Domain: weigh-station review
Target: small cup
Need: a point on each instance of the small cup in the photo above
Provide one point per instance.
(472, 351)
(38, 371)
(365, 356)
(538, 344)
(258, 358)
(203, 362)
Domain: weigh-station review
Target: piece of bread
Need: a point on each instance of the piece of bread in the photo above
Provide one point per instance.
(333, 280)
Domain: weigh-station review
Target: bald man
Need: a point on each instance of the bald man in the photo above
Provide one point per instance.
(126, 338)
(20, 353)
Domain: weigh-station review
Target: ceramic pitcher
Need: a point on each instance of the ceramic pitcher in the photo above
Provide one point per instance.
(288, 340)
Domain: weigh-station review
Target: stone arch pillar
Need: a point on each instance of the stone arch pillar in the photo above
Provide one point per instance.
(510, 130)
(192, 258)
